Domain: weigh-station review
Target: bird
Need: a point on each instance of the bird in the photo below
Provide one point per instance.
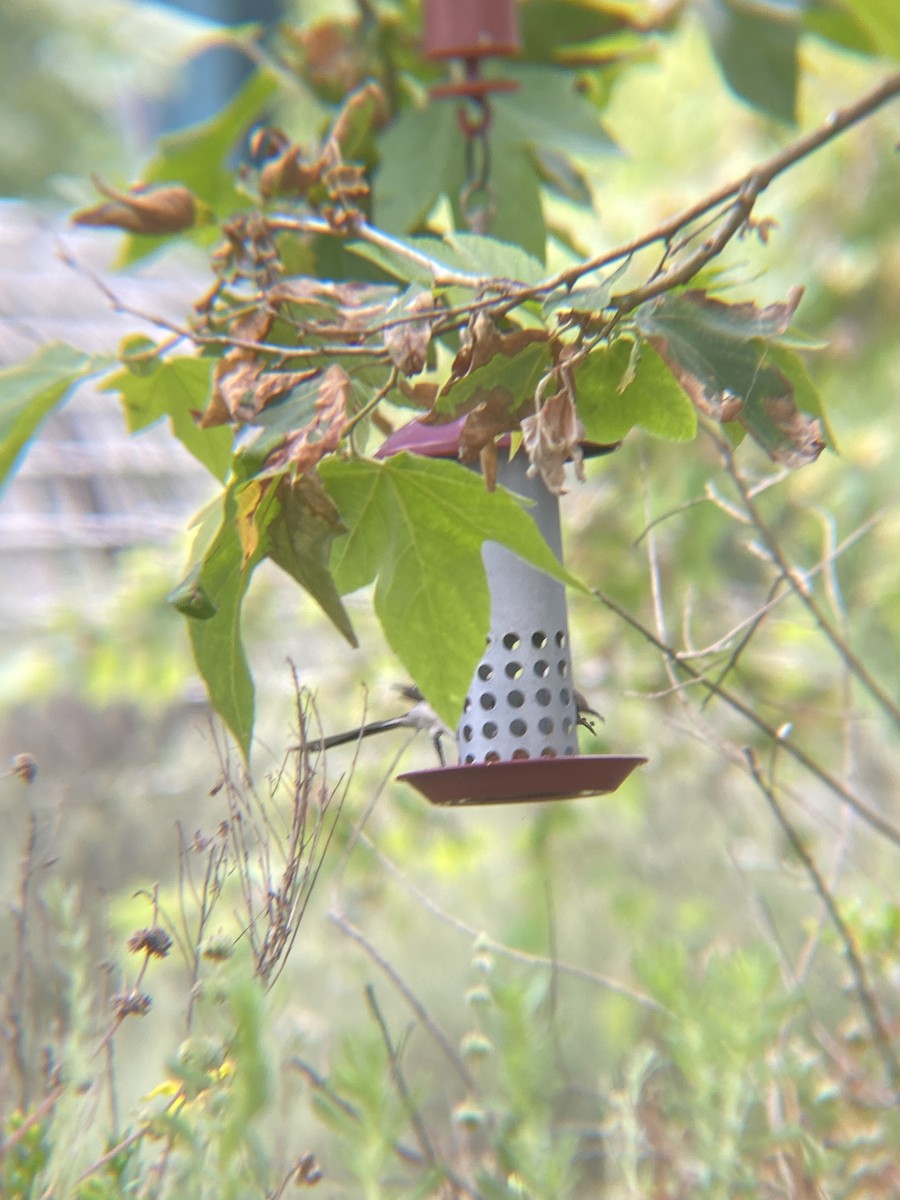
(420, 717)
(423, 717)
(584, 711)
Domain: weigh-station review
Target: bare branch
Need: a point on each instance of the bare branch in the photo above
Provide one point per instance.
(868, 814)
(867, 997)
(350, 930)
(860, 672)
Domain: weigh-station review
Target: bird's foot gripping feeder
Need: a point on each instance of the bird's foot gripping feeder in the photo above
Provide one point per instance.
(518, 735)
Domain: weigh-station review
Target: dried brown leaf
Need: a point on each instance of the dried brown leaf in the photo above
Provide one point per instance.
(290, 174)
(422, 394)
(365, 107)
(408, 342)
(303, 448)
(332, 54)
(482, 341)
(551, 437)
(272, 385)
(770, 321)
(352, 306)
(720, 405)
(142, 209)
(251, 326)
(490, 418)
(234, 388)
(804, 435)
(487, 459)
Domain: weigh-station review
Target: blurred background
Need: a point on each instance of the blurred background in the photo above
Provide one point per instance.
(681, 885)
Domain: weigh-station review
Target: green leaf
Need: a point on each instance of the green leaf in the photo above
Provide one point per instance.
(547, 110)
(828, 19)
(548, 26)
(198, 157)
(518, 376)
(545, 116)
(422, 144)
(755, 43)
(416, 527)
(879, 20)
(299, 537)
(212, 594)
(30, 391)
(623, 385)
(723, 355)
(151, 389)
(561, 175)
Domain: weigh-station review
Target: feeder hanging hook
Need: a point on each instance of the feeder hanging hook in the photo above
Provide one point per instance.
(476, 198)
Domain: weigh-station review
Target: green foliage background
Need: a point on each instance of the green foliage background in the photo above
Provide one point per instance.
(748, 1068)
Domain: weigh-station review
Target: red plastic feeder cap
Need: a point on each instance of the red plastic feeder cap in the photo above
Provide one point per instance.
(471, 29)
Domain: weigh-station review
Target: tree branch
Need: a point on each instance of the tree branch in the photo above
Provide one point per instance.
(868, 814)
(747, 189)
(867, 998)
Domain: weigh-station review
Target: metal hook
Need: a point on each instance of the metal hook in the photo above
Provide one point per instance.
(476, 198)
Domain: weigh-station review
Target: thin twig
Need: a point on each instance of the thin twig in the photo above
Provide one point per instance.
(321, 1084)
(511, 952)
(871, 685)
(415, 1118)
(873, 818)
(751, 184)
(350, 930)
(867, 997)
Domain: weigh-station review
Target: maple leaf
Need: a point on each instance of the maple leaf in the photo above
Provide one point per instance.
(722, 356)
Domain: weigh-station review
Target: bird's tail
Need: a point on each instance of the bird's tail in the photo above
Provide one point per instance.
(353, 735)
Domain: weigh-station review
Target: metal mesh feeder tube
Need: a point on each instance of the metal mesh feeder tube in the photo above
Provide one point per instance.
(521, 702)
(518, 735)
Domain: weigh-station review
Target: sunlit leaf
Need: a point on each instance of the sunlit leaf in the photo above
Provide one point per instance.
(176, 388)
(877, 21)
(416, 527)
(619, 388)
(474, 254)
(211, 596)
(30, 391)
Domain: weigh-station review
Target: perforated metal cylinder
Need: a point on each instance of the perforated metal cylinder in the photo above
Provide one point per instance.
(521, 703)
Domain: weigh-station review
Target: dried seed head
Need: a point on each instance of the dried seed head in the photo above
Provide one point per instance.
(131, 1004)
(218, 948)
(25, 767)
(307, 1171)
(153, 941)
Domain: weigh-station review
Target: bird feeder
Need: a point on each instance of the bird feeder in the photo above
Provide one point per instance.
(471, 30)
(518, 735)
